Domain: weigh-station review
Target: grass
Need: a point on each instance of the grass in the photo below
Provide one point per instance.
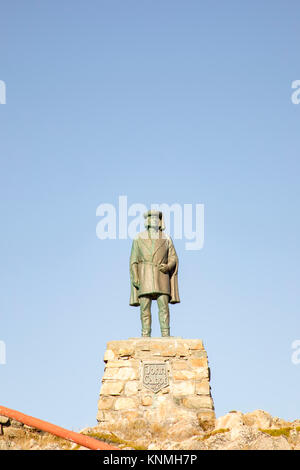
(27, 439)
(214, 433)
(278, 432)
(111, 438)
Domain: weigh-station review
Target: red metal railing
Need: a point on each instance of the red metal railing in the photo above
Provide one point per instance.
(76, 437)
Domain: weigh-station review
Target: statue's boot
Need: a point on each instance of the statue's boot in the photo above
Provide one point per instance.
(164, 314)
(165, 332)
(145, 303)
(146, 334)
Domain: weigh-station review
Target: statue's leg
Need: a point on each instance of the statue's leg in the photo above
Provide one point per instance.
(145, 303)
(163, 314)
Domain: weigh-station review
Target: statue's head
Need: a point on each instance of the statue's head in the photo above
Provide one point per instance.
(154, 219)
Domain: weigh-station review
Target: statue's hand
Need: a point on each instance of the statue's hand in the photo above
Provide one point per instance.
(164, 268)
(136, 283)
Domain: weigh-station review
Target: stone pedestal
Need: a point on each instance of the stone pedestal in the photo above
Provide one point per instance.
(162, 380)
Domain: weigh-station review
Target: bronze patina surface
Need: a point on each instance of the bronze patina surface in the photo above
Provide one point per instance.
(153, 273)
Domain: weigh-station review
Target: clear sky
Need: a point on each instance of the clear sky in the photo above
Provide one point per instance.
(169, 101)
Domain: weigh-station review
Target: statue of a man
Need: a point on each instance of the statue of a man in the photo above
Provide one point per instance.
(153, 273)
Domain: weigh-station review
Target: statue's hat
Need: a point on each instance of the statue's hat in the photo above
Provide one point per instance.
(159, 214)
(151, 213)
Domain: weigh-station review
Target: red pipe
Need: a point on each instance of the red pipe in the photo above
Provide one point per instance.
(76, 437)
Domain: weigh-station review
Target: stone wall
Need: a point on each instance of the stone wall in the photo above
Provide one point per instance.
(8, 426)
(163, 380)
(15, 435)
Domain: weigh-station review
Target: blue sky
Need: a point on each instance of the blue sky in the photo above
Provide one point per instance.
(164, 102)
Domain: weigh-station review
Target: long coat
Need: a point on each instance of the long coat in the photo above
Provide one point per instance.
(146, 256)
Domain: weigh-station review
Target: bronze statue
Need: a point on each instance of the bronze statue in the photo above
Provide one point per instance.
(153, 273)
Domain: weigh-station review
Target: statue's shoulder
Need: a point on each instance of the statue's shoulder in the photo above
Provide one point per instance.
(141, 236)
(167, 237)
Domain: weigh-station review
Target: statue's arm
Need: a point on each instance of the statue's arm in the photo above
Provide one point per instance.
(134, 265)
(172, 258)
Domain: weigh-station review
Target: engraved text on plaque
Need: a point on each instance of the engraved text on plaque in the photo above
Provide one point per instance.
(155, 375)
